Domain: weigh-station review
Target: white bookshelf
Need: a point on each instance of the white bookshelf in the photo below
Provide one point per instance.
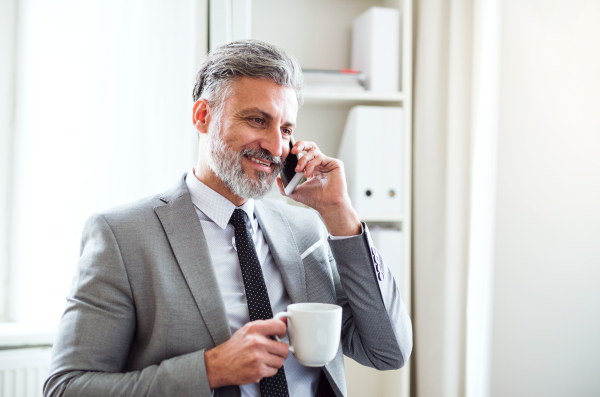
(334, 98)
(381, 218)
(318, 33)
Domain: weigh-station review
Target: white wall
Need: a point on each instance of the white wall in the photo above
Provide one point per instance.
(546, 333)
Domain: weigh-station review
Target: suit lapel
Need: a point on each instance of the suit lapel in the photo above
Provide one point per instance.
(282, 245)
(182, 227)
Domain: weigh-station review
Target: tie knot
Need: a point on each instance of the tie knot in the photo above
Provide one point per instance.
(238, 218)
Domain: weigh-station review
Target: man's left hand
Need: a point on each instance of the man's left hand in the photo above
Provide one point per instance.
(325, 190)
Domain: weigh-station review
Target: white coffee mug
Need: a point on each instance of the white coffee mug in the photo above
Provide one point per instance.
(315, 330)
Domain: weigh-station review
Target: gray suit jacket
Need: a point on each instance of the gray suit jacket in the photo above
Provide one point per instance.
(145, 302)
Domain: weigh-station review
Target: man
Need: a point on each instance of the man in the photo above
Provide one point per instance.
(174, 295)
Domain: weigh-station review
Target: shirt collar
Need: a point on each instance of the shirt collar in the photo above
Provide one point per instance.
(215, 206)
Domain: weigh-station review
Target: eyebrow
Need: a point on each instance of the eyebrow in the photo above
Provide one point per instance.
(248, 111)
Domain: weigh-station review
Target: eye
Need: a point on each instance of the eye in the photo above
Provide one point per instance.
(287, 131)
(258, 120)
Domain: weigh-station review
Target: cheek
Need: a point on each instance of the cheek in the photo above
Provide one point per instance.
(232, 140)
(239, 137)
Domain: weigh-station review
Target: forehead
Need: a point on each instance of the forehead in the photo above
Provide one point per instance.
(262, 93)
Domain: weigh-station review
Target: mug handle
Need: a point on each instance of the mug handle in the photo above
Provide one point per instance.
(278, 316)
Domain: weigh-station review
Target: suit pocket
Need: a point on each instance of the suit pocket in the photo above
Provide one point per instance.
(313, 248)
(317, 270)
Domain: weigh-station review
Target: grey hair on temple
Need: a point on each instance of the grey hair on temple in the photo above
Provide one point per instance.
(250, 58)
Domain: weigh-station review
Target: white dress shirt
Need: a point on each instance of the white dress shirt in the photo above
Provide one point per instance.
(214, 212)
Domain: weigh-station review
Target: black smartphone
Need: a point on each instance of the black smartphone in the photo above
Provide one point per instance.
(289, 177)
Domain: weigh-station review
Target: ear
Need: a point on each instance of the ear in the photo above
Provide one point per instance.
(201, 116)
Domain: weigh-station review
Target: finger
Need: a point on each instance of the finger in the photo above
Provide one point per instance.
(324, 165)
(274, 361)
(279, 349)
(266, 327)
(310, 167)
(277, 325)
(267, 367)
(266, 371)
(280, 185)
(305, 159)
(304, 146)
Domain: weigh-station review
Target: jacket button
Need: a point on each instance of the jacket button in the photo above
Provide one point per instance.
(377, 258)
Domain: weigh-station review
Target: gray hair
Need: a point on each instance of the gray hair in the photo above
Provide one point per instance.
(251, 58)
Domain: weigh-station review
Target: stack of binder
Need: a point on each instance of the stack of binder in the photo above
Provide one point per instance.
(372, 152)
(345, 80)
(376, 48)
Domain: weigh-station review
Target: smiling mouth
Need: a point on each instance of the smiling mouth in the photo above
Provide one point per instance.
(259, 161)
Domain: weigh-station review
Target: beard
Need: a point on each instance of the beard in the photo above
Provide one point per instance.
(226, 163)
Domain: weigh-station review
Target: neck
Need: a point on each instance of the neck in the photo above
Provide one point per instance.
(205, 175)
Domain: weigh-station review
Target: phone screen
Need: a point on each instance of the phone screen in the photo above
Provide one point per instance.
(289, 167)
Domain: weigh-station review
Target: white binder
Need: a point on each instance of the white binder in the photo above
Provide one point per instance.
(376, 48)
(372, 152)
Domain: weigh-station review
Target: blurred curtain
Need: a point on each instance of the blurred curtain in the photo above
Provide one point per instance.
(103, 117)
(455, 122)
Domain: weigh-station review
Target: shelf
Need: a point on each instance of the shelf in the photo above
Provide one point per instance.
(352, 98)
(380, 218)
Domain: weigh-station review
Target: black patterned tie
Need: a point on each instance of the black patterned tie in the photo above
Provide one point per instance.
(259, 305)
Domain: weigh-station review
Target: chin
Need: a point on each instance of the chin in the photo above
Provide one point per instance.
(253, 187)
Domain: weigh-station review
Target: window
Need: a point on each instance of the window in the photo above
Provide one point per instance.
(101, 118)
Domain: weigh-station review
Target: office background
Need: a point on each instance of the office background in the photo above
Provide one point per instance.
(95, 101)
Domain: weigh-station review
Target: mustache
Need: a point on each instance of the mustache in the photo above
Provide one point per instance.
(262, 153)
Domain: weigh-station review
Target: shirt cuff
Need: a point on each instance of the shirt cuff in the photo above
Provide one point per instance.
(362, 230)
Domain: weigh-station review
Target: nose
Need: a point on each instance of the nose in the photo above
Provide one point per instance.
(273, 142)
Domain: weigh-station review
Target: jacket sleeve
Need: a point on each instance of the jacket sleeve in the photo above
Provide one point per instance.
(376, 329)
(97, 329)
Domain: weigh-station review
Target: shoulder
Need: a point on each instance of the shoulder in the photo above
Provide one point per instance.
(136, 211)
(141, 212)
(126, 222)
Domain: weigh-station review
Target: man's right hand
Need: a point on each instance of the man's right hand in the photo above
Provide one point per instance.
(248, 356)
